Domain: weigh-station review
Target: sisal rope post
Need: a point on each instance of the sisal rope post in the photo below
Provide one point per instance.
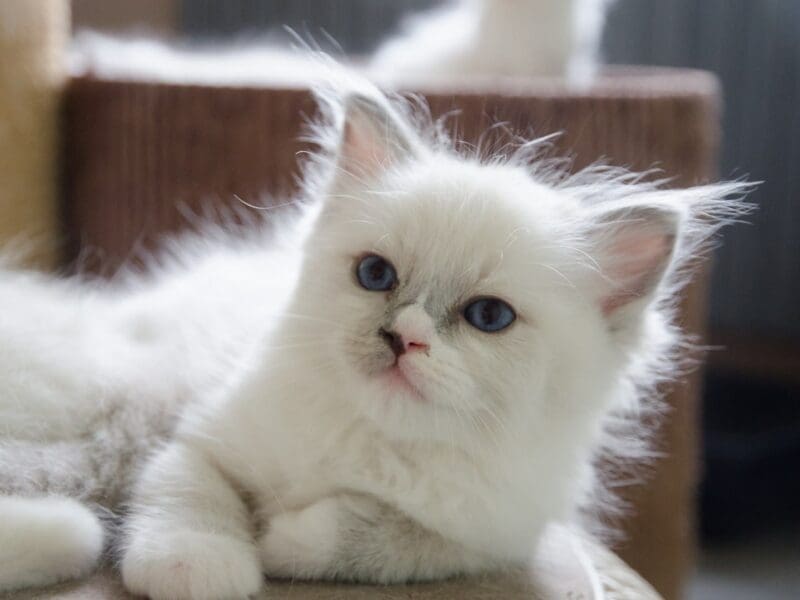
(33, 38)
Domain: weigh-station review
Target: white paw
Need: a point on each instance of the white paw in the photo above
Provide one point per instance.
(189, 565)
(301, 543)
(45, 540)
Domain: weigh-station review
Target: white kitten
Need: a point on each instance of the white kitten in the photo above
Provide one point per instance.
(410, 383)
(515, 38)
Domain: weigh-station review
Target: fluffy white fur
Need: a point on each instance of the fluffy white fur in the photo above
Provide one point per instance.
(144, 59)
(513, 38)
(510, 38)
(301, 450)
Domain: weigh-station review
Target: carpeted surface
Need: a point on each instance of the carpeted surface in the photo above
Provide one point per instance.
(566, 567)
(514, 586)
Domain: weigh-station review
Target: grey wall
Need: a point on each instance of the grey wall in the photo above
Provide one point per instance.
(355, 24)
(753, 45)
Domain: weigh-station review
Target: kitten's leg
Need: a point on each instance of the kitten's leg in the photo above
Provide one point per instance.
(190, 533)
(355, 537)
(45, 540)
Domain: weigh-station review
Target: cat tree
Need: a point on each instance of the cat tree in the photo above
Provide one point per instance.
(138, 149)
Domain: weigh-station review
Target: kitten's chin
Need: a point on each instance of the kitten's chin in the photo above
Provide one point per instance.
(396, 397)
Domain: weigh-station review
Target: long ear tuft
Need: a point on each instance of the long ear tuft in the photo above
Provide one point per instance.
(648, 240)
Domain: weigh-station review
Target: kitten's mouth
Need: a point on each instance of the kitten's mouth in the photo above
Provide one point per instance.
(398, 380)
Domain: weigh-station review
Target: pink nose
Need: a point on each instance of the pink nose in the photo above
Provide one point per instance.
(401, 344)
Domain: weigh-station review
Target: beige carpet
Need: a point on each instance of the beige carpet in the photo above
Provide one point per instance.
(567, 567)
(106, 586)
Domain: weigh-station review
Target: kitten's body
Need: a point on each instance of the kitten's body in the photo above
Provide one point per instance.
(512, 38)
(94, 377)
(309, 447)
(76, 356)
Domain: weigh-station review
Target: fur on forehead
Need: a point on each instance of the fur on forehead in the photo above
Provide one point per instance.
(449, 220)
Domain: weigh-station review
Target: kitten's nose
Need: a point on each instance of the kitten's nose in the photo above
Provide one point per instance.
(399, 344)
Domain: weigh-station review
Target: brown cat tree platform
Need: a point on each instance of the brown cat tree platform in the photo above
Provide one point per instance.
(136, 150)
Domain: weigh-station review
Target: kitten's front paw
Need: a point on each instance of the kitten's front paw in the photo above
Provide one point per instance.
(44, 540)
(191, 565)
(302, 543)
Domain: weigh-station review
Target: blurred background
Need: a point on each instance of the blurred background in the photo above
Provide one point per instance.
(749, 503)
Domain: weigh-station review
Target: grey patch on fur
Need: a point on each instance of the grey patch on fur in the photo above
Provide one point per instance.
(98, 467)
(380, 544)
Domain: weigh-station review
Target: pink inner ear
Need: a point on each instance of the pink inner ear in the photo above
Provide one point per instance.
(363, 151)
(637, 260)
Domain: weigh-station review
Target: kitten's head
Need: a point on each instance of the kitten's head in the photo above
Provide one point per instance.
(454, 297)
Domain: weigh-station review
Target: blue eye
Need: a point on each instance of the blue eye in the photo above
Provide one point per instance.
(376, 274)
(489, 314)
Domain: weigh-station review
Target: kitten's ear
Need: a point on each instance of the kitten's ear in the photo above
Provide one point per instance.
(374, 138)
(633, 247)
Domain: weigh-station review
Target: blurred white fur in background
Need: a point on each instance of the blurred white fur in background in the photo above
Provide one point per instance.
(513, 38)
